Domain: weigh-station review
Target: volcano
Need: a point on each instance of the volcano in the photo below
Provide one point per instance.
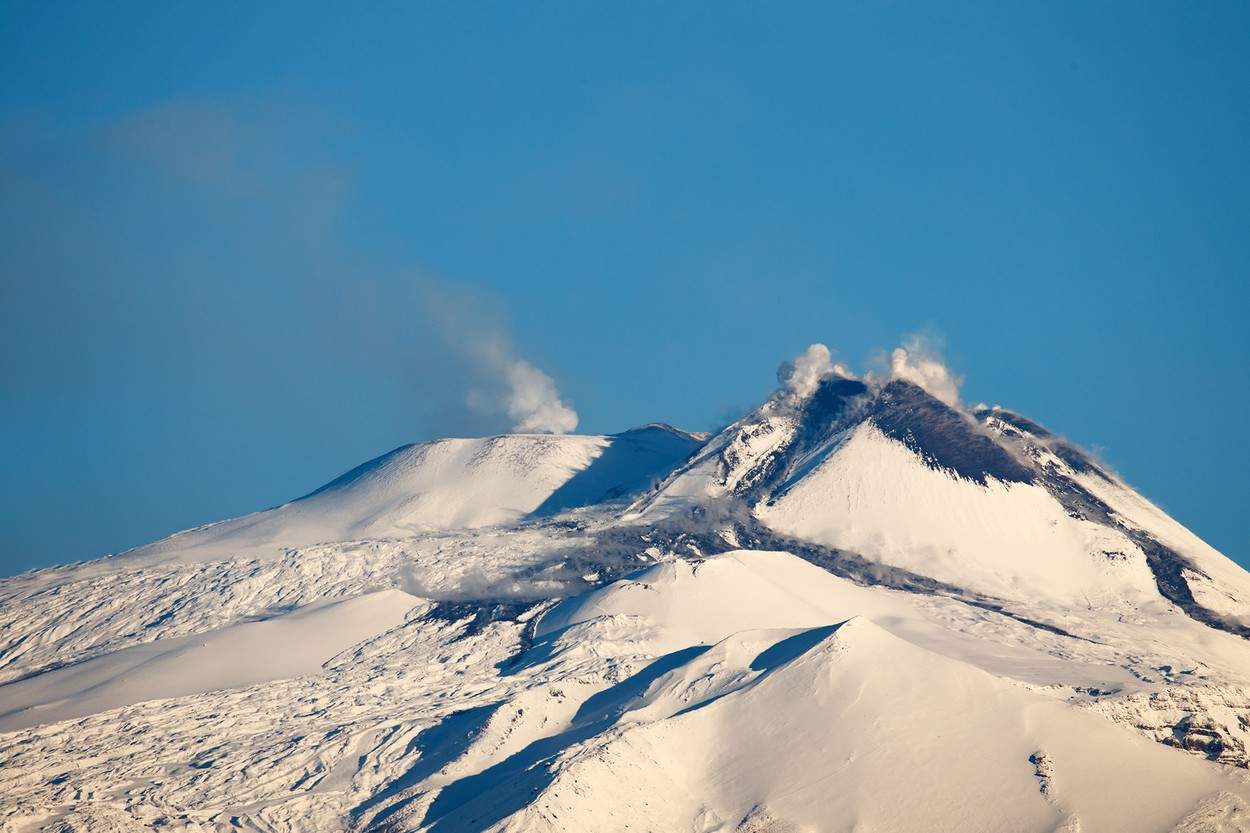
(863, 606)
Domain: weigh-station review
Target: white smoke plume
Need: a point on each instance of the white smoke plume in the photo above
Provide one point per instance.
(530, 396)
(918, 361)
(800, 376)
(499, 380)
(534, 402)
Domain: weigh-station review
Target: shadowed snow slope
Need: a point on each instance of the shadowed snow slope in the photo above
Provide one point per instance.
(446, 484)
(849, 728)
(830, 728)
(287, 645)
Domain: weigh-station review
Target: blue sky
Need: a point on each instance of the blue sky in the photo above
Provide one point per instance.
(244, 248)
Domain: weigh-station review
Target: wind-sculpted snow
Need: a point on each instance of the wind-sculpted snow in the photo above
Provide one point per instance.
(856, 608)
(285, 645)
(53, 618)
(285, 755)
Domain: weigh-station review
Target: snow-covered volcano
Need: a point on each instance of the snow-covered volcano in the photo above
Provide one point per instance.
(860, 607)
(983, 500)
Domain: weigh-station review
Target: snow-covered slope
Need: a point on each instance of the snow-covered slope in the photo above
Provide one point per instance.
(861, 607)
(286, 645)
(766, 709)
(675, 604)
(1216, 583)
(446, 484)
(874, 496)
(845, 727)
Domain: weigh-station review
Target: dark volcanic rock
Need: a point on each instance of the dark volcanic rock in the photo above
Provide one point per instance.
(943, 437)
(835, 403)
(1077, 461)
(1013, 419)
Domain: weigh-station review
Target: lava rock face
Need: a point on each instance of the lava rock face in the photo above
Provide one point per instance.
(942, 436)
(827, 408)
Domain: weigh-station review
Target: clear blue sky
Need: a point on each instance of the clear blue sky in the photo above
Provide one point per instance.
(226, 232)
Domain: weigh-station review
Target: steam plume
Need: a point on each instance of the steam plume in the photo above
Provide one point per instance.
(499, 379)
(528, 395)
(800, 376)
(917, 361)
(534, 402)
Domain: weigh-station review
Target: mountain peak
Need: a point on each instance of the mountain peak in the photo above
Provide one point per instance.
(756, 630)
